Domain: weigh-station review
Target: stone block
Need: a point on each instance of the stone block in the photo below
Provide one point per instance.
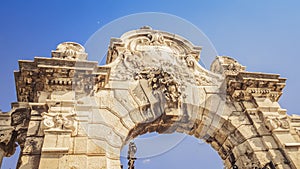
(238, 119)
(211, 89)
(247, 131)
(125, 98)
(30, 161)
(257, 144)
(277, 157)
(57, 143)
(283, 137)
(103, 116)
(199, 95)
(238, 106)
(113, 163)
(82, 129)
(118, 108)
(80, 145)
(212, 102)
(50, 161)
(222, 135)
(266, 105)
(270, 142)
(128, 122)
(33, 145)
(261, 129)
(105, 133)
(96, 162)
(96, 147)
(73, 161)
(33, 128)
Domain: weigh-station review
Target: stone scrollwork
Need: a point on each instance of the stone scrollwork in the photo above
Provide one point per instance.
(273, 123)
(5, 134)
(190, 60)
(60, 122)
(226, 65)
(153, 48)
(161, 41)
(154, 39)
(147, 38)
(70, 51)
(158, 79)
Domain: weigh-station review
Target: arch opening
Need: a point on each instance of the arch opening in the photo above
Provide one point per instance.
(152, 154)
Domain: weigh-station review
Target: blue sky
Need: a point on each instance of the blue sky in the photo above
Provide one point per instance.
(263, 35)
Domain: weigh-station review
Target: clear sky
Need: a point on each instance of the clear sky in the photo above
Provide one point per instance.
(263, 35)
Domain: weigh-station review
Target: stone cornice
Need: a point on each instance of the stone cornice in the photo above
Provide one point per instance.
(245, 85)
(55, 74)
(242, 85)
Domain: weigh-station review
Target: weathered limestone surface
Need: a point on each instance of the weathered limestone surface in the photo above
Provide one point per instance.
(72, 113)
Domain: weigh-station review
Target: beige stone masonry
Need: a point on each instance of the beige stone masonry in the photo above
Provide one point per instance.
(73, 114)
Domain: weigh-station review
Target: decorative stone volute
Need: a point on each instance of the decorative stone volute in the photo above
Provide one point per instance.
(59, 122)
(70, 51)
(148, 39)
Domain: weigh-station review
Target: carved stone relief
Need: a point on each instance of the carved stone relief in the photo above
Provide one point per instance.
(273, 123)
(60, 122)
(70, 50)
(165, 82)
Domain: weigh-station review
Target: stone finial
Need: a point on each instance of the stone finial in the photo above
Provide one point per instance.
(226, 65)
(146, 27)
(70, 51)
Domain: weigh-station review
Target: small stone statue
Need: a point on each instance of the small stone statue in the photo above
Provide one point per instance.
(131, 155)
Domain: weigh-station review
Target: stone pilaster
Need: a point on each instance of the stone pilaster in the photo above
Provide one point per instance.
(258, 95)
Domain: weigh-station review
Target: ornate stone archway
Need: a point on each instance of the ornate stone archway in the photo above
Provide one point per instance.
(72, 113)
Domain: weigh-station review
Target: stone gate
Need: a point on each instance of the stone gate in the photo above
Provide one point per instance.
(72, 113)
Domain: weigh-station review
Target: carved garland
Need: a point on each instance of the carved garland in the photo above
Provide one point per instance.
(159, 79)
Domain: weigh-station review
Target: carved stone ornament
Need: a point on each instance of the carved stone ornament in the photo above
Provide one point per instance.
(159, 40)
(5, 134)
(164, 81)
(152, 49)
(70, 51)
(60, 122)
(273, 123)
(226, 65)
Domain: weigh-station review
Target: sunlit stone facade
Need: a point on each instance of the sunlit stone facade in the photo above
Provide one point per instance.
(72, 113)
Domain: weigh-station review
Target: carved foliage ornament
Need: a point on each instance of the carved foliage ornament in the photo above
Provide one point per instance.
(164, 81)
